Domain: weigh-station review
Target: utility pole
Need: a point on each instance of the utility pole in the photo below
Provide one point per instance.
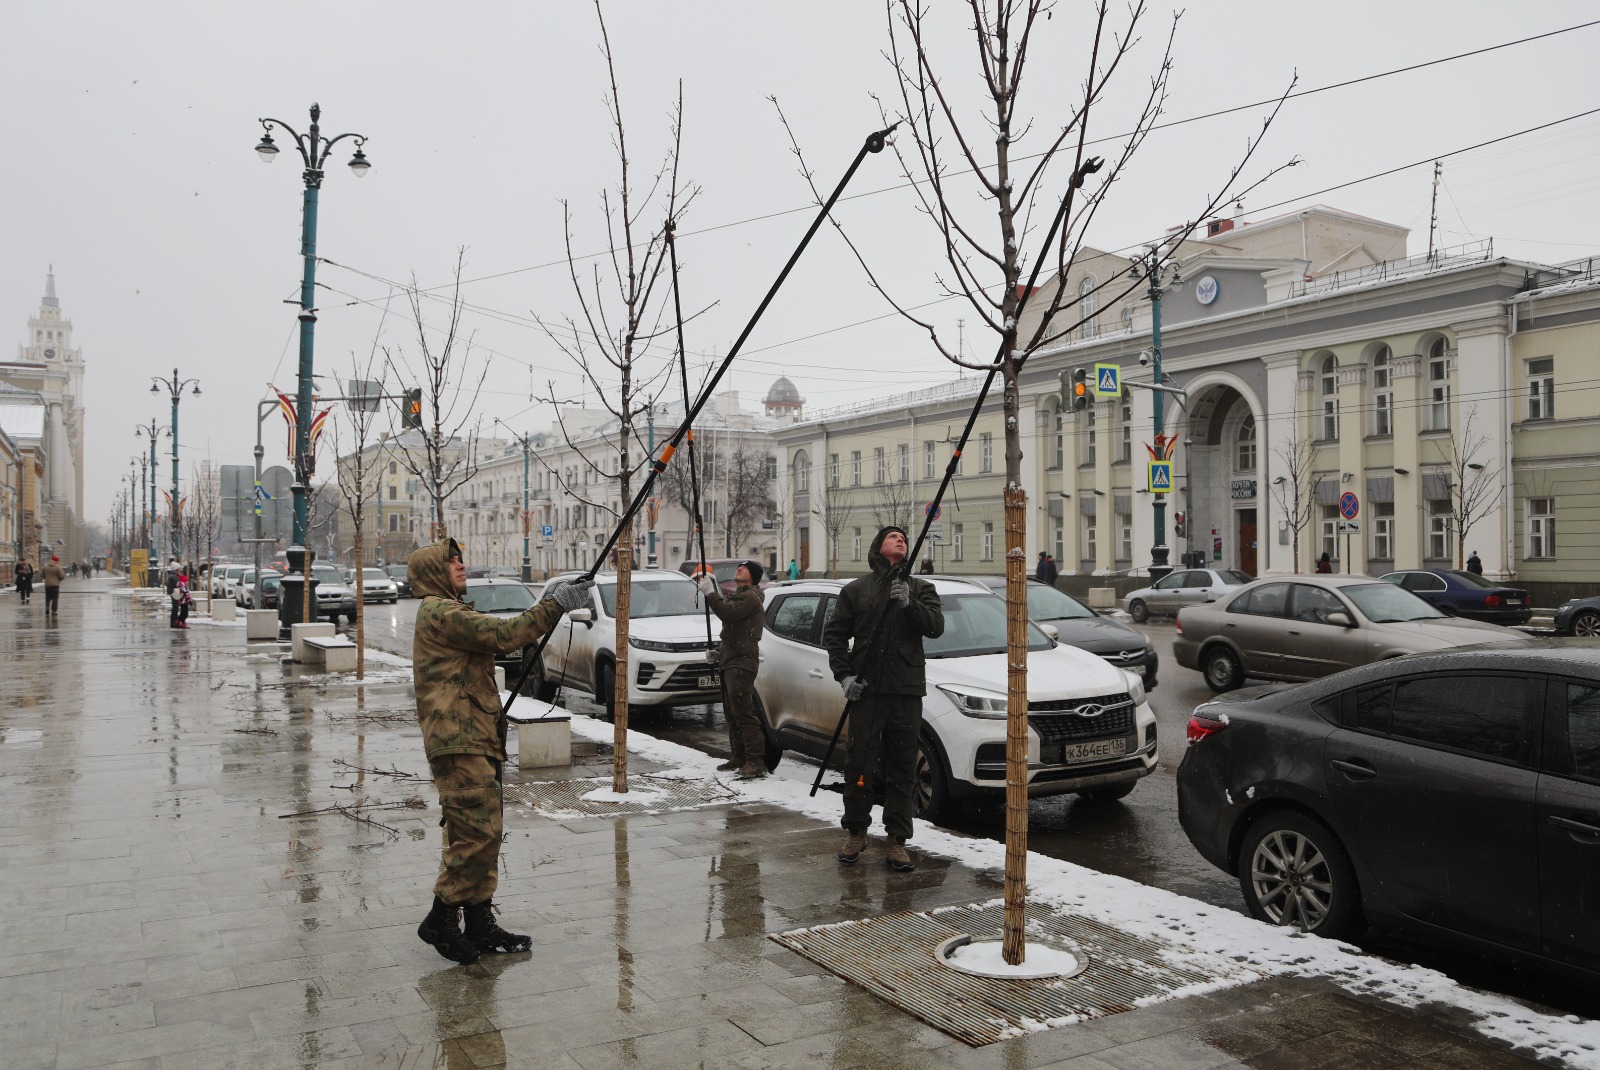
(650, 514)
(526, 442)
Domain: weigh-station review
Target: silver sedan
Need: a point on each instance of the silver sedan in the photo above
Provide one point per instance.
(1185, 587)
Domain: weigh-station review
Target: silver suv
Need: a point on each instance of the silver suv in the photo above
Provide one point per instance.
(334, 596)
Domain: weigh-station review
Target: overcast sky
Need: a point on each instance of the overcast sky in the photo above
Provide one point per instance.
(130, 130)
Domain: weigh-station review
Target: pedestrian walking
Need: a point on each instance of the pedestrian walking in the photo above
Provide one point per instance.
(1324, 565)
(53, 575)
(182, 601)
(794, 569)
(743, 616)
(23, 574)
(1475, 564)
(885, 692)
(171, 582)
(464, 735)
(926, 568)
(1045, 571)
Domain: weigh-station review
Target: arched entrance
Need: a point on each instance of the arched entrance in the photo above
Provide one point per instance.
(1222, 496)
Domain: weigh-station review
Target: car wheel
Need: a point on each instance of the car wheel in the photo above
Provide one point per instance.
(544, 688)
(1110, 794)
(930, 786)
(606, 688)
(1586, 624)
(1294, 872)
(1138, 611)
(1222, 669)
(773, 753)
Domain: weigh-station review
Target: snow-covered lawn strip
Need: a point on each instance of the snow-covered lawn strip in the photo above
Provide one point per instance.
(1140, 910)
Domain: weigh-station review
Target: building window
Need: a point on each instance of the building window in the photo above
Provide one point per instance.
(1439, 529)
(393, 491)
(833, 469)
(394, 522)
(1438, 387)
(1088, 435)
(1542, 388)
(1090, 554)
(1061, 444)
(988, 541)
(802, 472)
(1245, 453)
(1541, 540)
(955, 542)
(1329, 527)
(855, 468)
(928, 461)
(855, 544)
(1382, 393)
(1125, 454)
(1088, 305)
(1125, 536)
(986, 451)
(772, 466)
(1330, 399)
(961, 461)
(905, 463)
(1383, 531)
(1059, 527)
(880, 467)
(394, 468)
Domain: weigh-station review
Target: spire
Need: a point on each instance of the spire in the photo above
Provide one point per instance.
(50, 289)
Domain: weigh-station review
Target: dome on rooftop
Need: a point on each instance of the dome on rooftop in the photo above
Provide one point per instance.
(784, 392)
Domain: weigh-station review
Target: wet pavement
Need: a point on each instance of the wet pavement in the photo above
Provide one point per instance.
(214, 860)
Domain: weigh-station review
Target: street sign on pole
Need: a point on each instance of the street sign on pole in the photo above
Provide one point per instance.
(1349, 527)
(1349, 505)
(931, 510)
(547, 531)
(1107, 381)
(1160, 477)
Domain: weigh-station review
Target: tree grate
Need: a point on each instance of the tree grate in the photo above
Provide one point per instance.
(893, 958)
(561, 799)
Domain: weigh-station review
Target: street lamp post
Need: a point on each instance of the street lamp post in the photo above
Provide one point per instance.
(174, 387)
(1159, 270)
(526, 442)
(147, 489)
(314, 150)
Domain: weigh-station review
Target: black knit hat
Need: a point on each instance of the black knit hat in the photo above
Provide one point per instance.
(755, 571)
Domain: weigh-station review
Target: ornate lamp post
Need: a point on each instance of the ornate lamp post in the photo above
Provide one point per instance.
(526, 442)
(1156, 266)
(147, 493)
(314, 150)
(174, 387)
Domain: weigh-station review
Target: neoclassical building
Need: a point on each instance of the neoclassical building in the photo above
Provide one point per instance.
(48, 365)
(1451, 395)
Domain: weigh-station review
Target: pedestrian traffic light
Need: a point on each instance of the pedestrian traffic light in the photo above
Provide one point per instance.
(411, 413)
(1177, 525)
(1080, 388)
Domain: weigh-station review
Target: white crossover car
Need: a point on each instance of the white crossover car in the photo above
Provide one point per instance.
(1090, 730)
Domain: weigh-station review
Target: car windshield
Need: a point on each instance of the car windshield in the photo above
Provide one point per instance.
(1384, 603)
(1471, 579)
(653, 598)
(498, 597)
(397, 571)
(271, 583)
(1233, 575)
(371, 574)
(1048, 603)
(326, 574)
(976, 624)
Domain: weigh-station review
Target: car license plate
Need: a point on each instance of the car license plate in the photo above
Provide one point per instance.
(1513, 601)
(709, 681)
(1095, 750)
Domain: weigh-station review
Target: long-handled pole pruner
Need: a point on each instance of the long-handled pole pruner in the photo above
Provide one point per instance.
(875, 644)
(874, 143)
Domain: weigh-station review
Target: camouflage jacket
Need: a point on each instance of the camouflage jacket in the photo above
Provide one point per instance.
(744, 617)
(452, 659)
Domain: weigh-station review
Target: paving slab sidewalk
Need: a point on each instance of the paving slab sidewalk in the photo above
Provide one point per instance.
(215, 860)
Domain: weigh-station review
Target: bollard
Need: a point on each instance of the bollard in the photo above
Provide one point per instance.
(261, 624)
(1102, 598)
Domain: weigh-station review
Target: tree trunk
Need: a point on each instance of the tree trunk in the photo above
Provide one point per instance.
(1016, 882)
(361, 607)
(619, 690)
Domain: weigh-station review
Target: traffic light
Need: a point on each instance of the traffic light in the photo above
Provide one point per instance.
(1177, 525)
(411, 413)
(1080, 388)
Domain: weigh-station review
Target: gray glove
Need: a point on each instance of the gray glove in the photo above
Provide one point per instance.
(852, 686)
(707, 585)
(569, 594)
(900, 593)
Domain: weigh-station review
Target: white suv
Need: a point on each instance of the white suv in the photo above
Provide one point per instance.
(1090, 730)
(668, 661)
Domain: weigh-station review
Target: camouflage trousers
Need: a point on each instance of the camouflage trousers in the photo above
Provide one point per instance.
(469, 795)
(881, 752)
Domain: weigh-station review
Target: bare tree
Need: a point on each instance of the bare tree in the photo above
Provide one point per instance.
(840, 505)
(1294, 488)
(621, 300)
(443, 451)
(357, 475)
(747, 492)
(1475, 488)
(893, 503)
(956, 192)
(204, 517)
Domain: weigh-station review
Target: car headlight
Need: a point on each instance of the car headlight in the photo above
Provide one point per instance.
(976, 702)
(1135, 686)
(653, 644)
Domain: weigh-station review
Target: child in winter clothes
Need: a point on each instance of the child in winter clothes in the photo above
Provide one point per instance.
(181, 601)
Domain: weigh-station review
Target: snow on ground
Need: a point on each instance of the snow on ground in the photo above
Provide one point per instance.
(1039, 960)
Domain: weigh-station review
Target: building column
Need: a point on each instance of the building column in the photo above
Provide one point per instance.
(1405, 378)
(1105, 528)
(1282, 420)
(1352, 431)
(1482, 375)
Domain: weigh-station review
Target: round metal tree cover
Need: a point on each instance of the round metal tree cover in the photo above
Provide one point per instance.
(982, 958)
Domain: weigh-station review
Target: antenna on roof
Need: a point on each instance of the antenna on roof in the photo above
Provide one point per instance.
(1433, 210)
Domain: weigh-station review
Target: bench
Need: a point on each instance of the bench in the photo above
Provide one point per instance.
(333, 653)
(299, 633)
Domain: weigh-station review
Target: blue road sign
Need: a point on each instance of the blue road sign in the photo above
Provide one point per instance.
(1108, 380)
(1160, 477)
(547, 531)
(1349, 505)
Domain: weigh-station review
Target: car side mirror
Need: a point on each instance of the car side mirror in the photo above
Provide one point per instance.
(582, 615)
(1341, 618)
(1052, 631)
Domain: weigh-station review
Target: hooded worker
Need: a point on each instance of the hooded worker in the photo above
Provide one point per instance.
(882, 673)
(464, 734)
(743, 616)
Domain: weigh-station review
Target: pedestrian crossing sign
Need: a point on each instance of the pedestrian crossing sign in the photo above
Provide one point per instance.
(1107, 380)
(1160, 477)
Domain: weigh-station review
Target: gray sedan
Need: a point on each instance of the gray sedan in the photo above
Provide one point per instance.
(1186, 587)
(1307, 627)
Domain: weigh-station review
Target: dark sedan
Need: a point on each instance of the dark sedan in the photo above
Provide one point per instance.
(1466, 594)
(1581, 617)
(1455, 794)
(402, 583)
(1078, 625)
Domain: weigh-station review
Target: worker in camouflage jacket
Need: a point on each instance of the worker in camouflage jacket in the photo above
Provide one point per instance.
(464, 733)
(883, 685)
(744, 615)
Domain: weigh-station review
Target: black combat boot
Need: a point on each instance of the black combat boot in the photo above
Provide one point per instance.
(486, 936)
(442, 929)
